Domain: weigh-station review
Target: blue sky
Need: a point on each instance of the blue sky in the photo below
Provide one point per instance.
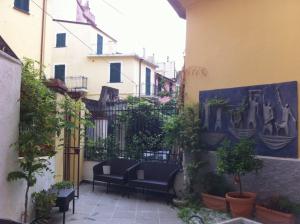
(138, 24)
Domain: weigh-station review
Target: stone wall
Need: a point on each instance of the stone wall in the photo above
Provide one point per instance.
(278, 176)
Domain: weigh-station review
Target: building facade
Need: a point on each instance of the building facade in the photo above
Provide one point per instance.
(28, 30)
(85, 57)
(248, 44)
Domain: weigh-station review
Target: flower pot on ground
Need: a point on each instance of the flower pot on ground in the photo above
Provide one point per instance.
(241, 205)
(215, 188)
(277, 210)
(237, 160)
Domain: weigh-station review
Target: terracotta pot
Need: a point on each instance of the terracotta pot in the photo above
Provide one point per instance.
(269, 216)
(241, 206)
(214, 202)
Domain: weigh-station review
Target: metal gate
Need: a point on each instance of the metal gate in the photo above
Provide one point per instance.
(129, 130)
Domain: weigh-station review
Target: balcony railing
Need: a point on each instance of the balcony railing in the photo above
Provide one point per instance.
(76, 83)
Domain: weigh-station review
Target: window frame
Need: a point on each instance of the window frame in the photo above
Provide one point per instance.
(115, 62)
(100, 52)
(54, 71)
(21, 8)
(146, 92)
(57, 42)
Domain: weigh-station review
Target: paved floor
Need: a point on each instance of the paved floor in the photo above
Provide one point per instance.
(101, 208)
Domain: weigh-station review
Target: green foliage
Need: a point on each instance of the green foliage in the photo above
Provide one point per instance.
(43, 202)
(102, 149)
(185, 214)
(145, 137)
(281, 204)
(40, 122)
(63, 185)
(238, 159)
(184, 129)
(215, 184)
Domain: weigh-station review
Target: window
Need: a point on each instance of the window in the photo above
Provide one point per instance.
(60, 40)
(148, 81)
(115, 72)
(59, 72)
(22, 5)
(99, 44)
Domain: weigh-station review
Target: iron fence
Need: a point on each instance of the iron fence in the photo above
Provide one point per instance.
(129, 130)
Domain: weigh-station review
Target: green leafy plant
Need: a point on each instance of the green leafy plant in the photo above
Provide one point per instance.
(215, 184)
(237, 160)
(184, 130)
(38, 125)
(281, 204)
(43, 202)
(62, 185)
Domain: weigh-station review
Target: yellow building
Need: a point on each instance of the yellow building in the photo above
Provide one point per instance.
(85, 58)
(239, 43)
(27, 30)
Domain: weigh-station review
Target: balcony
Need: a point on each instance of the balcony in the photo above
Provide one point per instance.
(76, 83)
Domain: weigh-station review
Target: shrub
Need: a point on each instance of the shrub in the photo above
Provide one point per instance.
(43, 202)
(237, 159)
(215, 184)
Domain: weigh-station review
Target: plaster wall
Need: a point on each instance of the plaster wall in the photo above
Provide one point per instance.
(12, 193)
(22, 31)
(240, 43)
(97, 69)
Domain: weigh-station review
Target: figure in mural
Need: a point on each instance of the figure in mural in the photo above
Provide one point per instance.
(206, 115)
(286, 115)
(268, 115)
(218, 124)
(236, 118)
(253, 110)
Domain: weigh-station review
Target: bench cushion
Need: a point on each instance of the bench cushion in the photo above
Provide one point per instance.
(110, 178)
(149, 184)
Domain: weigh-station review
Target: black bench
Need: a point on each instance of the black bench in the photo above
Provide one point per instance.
(119, 169)
(158, 176)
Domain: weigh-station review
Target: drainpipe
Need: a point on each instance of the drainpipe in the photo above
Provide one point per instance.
(42, 51)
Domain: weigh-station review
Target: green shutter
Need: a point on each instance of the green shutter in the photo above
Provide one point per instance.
(59, 72)
(115, 72)
(60, 40)
(22, 4)
(148, 81)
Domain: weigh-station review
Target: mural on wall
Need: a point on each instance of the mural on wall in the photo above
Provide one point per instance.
(267, 114)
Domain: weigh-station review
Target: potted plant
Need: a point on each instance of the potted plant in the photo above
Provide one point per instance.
(277, 209)
(237, 160)
(62, 185)
(43, 202)
(215, 188)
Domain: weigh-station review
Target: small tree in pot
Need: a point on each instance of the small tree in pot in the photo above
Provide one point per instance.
(237, 160)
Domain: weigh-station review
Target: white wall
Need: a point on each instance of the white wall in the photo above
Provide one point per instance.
(65, 10)
(12, 193)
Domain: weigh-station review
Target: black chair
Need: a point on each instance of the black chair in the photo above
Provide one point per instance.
(119, 169)
(158, 176)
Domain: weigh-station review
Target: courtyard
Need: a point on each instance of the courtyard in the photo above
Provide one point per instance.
(113, 208)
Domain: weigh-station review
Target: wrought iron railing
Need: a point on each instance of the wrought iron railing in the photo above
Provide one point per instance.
(77, 83)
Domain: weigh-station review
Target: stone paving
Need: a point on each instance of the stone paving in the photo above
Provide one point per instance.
(100, 207)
